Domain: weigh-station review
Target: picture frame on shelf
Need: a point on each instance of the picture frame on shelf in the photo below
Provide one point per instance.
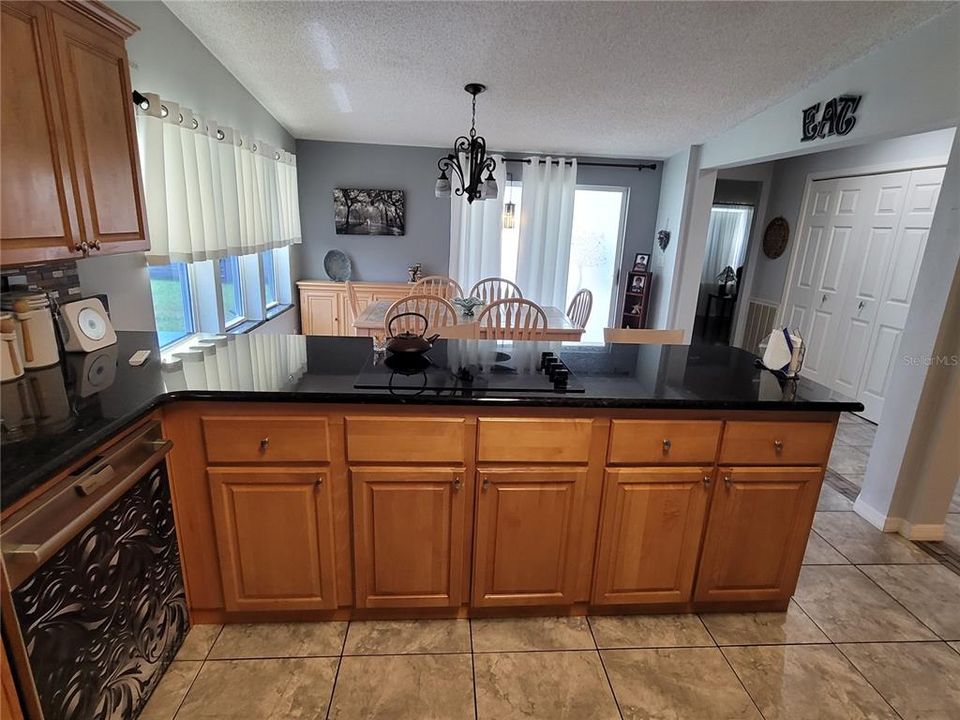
(641, 262)
(637, 283)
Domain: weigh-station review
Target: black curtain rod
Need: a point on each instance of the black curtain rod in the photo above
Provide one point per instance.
(637, 166)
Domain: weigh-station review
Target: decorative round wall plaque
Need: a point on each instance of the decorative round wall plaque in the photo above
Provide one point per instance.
(775, 238)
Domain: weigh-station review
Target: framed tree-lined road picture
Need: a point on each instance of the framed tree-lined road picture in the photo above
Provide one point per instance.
(368, 212)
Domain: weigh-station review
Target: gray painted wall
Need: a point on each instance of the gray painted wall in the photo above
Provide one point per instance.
(790, 177)
(323, 166)
(166, 58)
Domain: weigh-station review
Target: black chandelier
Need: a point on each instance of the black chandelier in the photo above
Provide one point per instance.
(473, 149)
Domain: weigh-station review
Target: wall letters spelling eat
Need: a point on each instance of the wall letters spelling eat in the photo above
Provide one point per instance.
(838, 118)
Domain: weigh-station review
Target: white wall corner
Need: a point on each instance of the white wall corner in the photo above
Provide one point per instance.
(878, 519)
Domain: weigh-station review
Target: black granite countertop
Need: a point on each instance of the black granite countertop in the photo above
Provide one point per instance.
(53, 416)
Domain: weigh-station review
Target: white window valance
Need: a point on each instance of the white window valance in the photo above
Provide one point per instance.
(210, 190)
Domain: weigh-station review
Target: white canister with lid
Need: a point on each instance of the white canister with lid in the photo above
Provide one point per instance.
(11, 363)
(35, 331)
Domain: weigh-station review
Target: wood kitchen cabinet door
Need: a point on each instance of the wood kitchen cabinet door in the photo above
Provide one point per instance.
(320, 311)
(527, 535)
(275, 538)
(650, 530)
(38, 211)
(99, 116)
(409, 527)
(757, 531)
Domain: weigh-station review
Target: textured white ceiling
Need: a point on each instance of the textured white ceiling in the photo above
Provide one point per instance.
(640, 79)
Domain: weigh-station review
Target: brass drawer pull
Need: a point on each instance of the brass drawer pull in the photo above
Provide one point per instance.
(666, 445)
(778, 446)
(264, 444)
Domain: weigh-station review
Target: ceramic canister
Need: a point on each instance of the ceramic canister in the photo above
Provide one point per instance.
(35, 331)
(10, 361)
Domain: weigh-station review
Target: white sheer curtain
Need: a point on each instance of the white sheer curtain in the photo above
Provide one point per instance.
(237, 362)
(726, 240)
(546, 226)
(475, 233)
(211, 191)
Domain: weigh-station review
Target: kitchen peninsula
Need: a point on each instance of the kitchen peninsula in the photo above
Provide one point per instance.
(312, 480)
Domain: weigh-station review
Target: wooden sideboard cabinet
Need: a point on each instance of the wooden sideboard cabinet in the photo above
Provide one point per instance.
(70, 181)
(325, 308)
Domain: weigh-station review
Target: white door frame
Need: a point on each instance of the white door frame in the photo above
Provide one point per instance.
(856, 171)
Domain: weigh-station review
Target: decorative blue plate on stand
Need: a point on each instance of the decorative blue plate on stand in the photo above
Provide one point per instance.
(337, 265)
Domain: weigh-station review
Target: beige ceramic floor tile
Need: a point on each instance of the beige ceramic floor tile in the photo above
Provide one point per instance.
(197, 644)
(166, 699)
(676, 684)
(849, 607)
(955, 646)
(274, 640)
(543, 686)
(846, 459)
(263, 689)
(820, 552)
(546, 633)
(831, 500)
(790, 627)
(649, 631)
(806, 682)
(920, 680)
(855, 478)
(404, 687)
(408, 636)
(931, 592)
(861, 542)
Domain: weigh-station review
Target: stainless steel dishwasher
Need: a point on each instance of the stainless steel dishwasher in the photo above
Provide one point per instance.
(94, 571)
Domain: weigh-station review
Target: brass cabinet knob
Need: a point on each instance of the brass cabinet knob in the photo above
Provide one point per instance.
(95, 244)
(727, 480)
(264, 444)
(666, 445)
(82, 247)
(778, 445)
(320, 481)
(706, 481)
(457, 483)
(486, 482)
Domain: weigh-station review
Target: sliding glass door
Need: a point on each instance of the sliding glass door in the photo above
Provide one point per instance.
(596, 246)
(599, 219)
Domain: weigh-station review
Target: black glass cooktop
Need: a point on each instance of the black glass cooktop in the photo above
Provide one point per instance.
(465, 366)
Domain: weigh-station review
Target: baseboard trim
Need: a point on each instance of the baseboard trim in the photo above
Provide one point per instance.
(879, 520)
(922, 532)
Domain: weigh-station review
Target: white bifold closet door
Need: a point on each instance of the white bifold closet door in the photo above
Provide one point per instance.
(860, 243)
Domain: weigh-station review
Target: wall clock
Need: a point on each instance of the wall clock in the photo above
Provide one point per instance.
(775, 238)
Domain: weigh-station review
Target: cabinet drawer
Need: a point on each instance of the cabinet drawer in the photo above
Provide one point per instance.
(405, 439)
(515, 439)
(266, 439)
(772, 443)
(657, 441)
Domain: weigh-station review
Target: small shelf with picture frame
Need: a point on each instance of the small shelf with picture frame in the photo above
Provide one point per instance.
(636, 297)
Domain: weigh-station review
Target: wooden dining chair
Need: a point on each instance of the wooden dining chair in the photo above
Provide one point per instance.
(512, 319)
(352, 298)
(438, 312)
(643, 336)
(492, 289)
(439, 285)
(579, 309)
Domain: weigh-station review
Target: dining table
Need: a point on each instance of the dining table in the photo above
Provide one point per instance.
(370, 322)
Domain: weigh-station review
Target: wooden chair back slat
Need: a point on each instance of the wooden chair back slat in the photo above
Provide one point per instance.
(439, 313)
(492, 289)
(439, 285)
(513, 319)
(580, 308)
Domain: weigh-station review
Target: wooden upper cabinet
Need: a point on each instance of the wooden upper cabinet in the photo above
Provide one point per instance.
(527, 535)
(757, 532)
(408, 530)
(70, 173)
(650, 531)
(275, 538)
(38, 217)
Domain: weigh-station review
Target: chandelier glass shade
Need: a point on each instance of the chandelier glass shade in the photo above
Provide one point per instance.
(468, 162)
